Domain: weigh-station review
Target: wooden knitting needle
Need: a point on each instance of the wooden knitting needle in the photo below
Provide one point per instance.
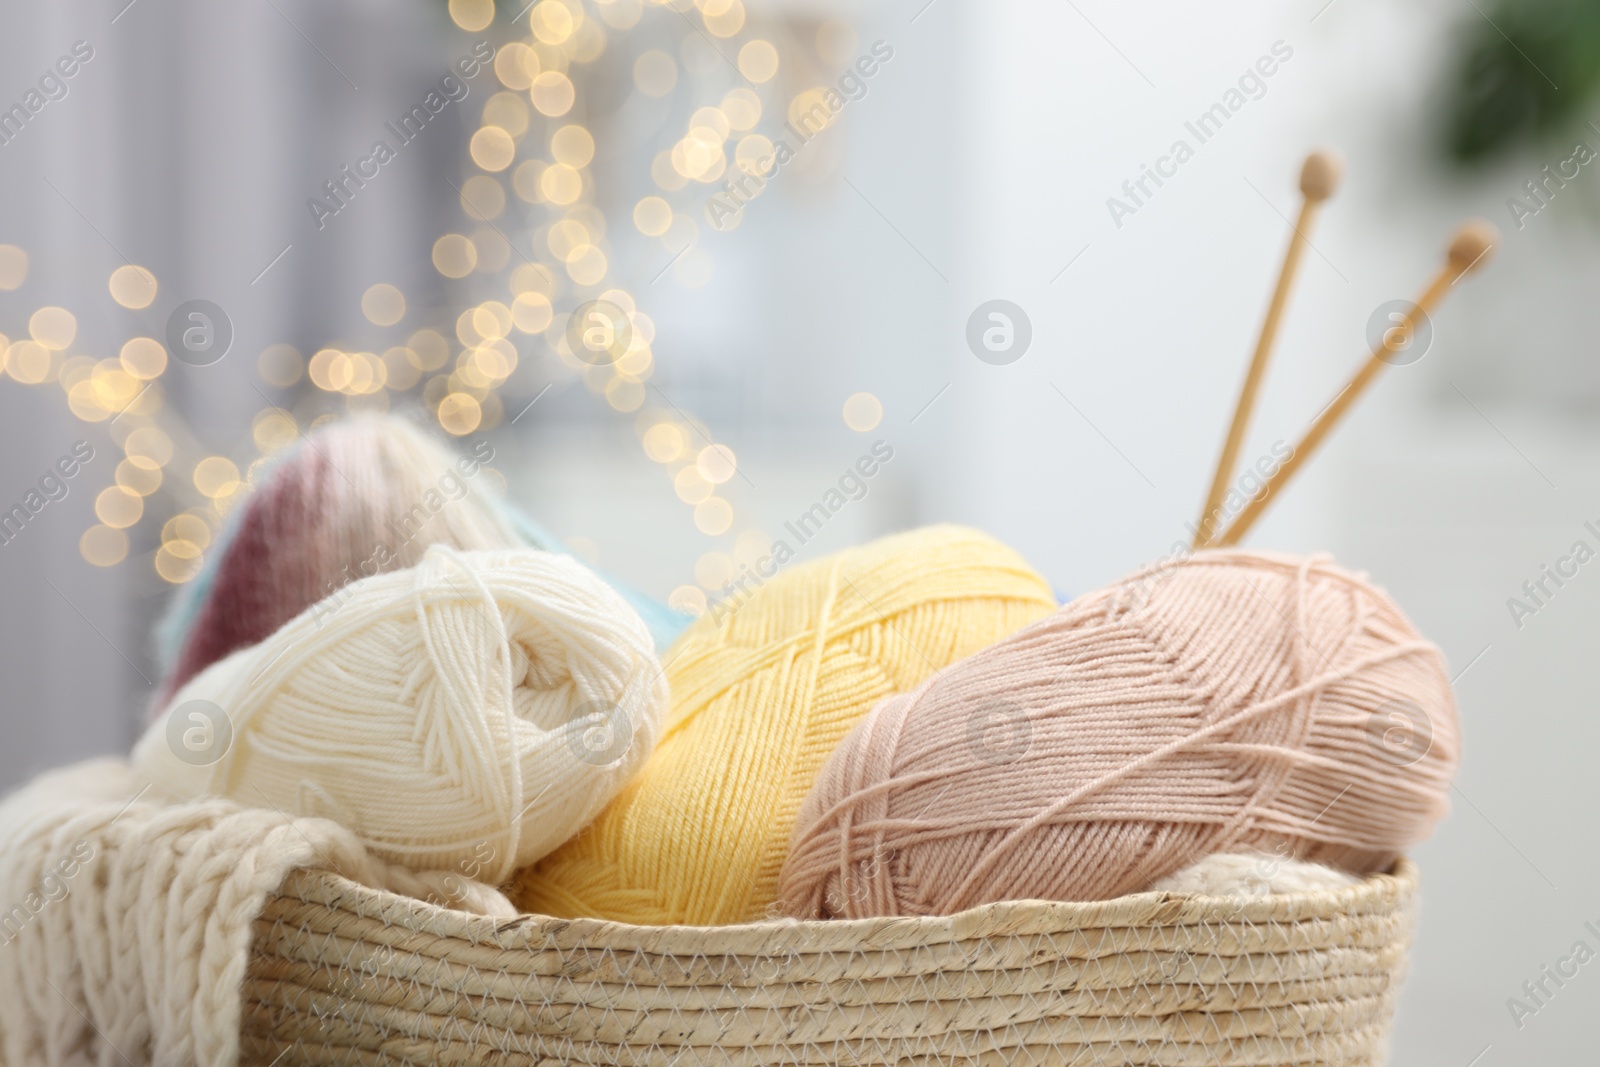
(1319, 177)
(1469, 250)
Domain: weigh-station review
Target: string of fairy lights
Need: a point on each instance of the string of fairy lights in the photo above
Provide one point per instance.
(531, 174)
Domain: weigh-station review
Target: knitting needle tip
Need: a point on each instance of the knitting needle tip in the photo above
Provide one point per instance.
(1319, 177)
(1472, 245)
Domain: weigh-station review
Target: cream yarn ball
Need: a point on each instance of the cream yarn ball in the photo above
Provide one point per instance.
(470, 713)
(1252, 874)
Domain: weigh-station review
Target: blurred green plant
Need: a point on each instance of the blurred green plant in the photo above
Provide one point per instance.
(1524, 72)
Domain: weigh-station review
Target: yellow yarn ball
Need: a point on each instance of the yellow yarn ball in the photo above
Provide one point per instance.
(762, 693)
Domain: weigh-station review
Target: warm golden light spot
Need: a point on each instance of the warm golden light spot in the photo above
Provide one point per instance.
(754, 155)
(758, 60)
(691, 486)
(572, 145)
(588, 44)
(148, 446)
(687, 600)
(533, 278)
(552, 93)
(699, 155)
(320, 369)
(103, 546)
(491, 320)
(664, 442)
(516, 65)
(431, 348)
(587, 265)
(492, 148)
(144, 358)
(552, 21)
(482, 197)
(636, 362)
(564, 236)
(383, 304)
(133, 287)
(863, 412)
(809, 111)
(454, 256)
(509, 111)
(459, 414)
(137, 478)
(280, 365)
(621, 298)
(655, 73)
(118, 508)
(176, 568)
(711, 118)
(30, 362)
(625, 395)
(13, 267)
(472, 15)
(716, 463)
(666, 174)
(181, 548)
(561, 184)
(728, 21)
(53, 327)
(273, 429)
(114, 387)
(525, 180)
(742, 108)
(713, 517)
(216, 476)
(652, 215)
(187, 527)
(531, 312)
(85, 403)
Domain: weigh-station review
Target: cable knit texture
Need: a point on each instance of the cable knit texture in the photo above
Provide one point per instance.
(128, 923)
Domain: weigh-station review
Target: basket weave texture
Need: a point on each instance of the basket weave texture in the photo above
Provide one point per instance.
(343, 974)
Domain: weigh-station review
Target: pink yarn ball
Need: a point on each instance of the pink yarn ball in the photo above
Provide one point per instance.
(1236, 702)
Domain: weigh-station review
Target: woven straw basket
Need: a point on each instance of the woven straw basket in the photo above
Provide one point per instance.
(343, 974)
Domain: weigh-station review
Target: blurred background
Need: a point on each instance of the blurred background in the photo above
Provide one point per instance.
(782, 327)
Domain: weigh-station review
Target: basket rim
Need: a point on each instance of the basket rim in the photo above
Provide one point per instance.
(1380, 893)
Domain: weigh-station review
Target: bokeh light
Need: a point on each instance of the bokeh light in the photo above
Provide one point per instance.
(118, 507)
(863, 412)
(13, 267)
(133, 287)
(472, 15)
(758, 60)
(53, 327)
(655, 73)
(492, 148)
(216, 476)
(713, 516)
(552, 93)
(144, 357)
(103, 546)
(383, 304)
(454, 256)
(572, 145)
